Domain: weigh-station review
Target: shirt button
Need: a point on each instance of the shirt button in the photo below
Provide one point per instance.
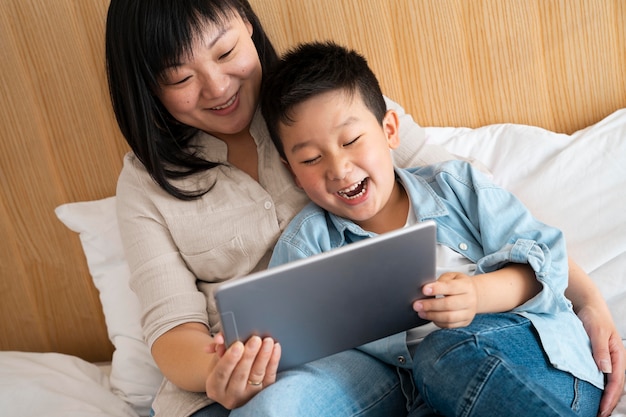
(267, 205)
(401, 360)
(463, 246)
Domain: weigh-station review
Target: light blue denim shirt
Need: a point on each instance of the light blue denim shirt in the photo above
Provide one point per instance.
(487, 225)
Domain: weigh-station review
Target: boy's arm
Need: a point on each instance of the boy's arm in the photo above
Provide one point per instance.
(505, 232)
(506, 288)
(465, 296)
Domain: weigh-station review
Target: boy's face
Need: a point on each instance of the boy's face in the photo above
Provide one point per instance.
(340, 156)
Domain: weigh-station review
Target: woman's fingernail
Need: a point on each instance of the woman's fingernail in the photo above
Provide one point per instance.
(255, 342)
(605, 366)
(237, 348)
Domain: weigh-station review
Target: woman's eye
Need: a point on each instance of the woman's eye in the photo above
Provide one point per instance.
(225, 55)
(180, 81)
(173, 78)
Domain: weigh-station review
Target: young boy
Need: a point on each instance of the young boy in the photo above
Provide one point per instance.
(506, 340)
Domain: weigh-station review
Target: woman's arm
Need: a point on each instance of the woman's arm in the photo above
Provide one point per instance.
(180, 355)
(195, 361)
(606, 343)
(175, 313)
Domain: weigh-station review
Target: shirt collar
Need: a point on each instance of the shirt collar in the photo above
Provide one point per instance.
(214, 149)
(424, 201)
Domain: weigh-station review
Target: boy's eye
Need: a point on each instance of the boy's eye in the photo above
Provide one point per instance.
(352, 141)
(311, 160)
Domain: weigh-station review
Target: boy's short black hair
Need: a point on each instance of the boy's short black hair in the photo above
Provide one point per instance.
(311, 69)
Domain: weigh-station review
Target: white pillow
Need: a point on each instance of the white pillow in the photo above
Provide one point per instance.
(134, 375)
(575, 182)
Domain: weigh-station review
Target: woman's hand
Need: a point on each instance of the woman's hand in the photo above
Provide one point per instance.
(608, 352)
(606, 343)
(241, 371)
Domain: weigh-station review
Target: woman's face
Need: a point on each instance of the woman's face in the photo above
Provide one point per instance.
(215, 88)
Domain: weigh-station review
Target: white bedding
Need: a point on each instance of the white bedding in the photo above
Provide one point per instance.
(576, 182)
(56, 385)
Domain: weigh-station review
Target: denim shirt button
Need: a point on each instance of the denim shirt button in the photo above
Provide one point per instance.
(463, 246)
(401, 360)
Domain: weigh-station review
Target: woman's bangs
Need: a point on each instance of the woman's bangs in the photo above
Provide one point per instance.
(170, 41)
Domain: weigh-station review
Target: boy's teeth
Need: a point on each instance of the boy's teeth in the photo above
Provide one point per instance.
(347, 190)
(345, 193)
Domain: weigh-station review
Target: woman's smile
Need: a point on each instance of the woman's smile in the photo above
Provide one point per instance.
(227, 104)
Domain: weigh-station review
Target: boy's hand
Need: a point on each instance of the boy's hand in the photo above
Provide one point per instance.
(455, 303)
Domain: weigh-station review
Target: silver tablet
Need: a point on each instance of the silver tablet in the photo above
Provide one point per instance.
(336, 300)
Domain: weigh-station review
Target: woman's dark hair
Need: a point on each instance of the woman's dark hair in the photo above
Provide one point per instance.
(311, 69)
(143, 38)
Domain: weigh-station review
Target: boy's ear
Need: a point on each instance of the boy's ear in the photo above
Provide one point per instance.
(295, 178)
(391, 125)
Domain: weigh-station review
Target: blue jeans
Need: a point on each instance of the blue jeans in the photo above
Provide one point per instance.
(495, 367)
(350, 383)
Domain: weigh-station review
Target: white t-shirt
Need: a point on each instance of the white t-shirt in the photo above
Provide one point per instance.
(447, 261)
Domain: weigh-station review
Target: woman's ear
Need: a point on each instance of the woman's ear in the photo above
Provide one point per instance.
(391, 125)
(248, 25)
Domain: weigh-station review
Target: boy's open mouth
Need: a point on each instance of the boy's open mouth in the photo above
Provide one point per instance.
(354, 191)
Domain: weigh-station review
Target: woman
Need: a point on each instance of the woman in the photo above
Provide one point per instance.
(203, 197)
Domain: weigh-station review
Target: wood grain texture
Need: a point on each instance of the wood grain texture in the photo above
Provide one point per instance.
(59, 144)
(555, 64)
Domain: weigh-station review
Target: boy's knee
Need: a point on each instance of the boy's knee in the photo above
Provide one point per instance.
(444, 351)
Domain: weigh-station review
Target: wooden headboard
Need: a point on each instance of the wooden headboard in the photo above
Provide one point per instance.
(554, 64)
